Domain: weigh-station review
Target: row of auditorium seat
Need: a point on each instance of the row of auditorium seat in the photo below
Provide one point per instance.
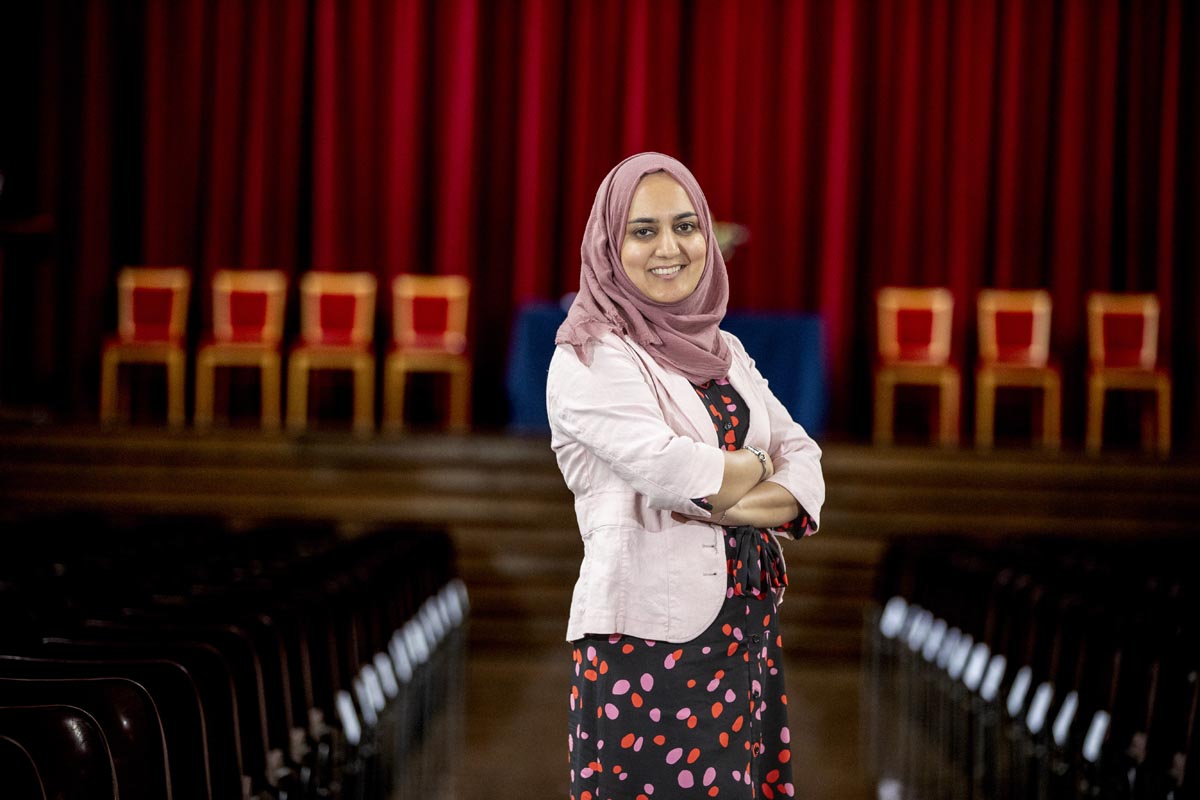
(1047, 669)
(914, 348)
(199, 658)
(337, 331)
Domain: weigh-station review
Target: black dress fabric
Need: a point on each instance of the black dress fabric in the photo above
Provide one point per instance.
(706, 718)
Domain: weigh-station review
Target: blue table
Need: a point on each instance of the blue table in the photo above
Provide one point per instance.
(787, 348)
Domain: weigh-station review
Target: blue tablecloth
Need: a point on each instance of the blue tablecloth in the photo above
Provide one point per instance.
(788, 349)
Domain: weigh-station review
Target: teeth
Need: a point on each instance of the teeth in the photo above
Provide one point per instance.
(667, 270)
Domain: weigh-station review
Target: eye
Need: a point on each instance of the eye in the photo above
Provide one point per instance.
(643, 233)
(686, 227)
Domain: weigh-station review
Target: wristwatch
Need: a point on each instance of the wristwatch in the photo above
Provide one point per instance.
(762, 459)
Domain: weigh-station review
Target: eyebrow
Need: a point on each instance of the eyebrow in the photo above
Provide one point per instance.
(644, 220)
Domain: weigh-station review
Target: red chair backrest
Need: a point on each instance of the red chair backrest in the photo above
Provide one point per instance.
(337, 308)
(1122, 330)
(152, 303)
(914, 324)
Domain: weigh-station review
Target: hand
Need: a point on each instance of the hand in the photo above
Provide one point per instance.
(683, 519)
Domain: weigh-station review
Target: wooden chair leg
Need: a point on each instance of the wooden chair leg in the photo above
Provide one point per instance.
(109, 374)
(297, 394)
(175, 400)
(460, 398)
(1095, 416)
(985, 411)
(1052, 413)
(364, 396)
(1164, 417)
(885, 399)
(394, 376)
(949, 409)
(269, 368)
(202, 417)
(1148, 406)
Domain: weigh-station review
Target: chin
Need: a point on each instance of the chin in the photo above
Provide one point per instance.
(675, 296)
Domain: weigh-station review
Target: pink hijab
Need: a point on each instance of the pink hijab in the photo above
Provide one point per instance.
(682, 336)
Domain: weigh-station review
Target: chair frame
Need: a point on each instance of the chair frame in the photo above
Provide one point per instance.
(1034, 371)
(1146, 376)
(934, 370)
(224, 351)
(408, 355)
(357, 356)
(125, 349)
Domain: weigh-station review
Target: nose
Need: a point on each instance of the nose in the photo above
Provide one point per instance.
(668, 244)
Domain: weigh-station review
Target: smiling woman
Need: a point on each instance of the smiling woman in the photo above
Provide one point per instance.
(664, 248)
(686, 471)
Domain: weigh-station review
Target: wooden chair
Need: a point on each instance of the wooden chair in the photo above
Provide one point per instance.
(247, 331)
(1122, 354)
(1014, 350)
(151, 319)
(337, 321)
(429, 334)
(914, 348)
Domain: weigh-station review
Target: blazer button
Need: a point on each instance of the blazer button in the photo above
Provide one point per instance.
(728, 426)
(756, 638)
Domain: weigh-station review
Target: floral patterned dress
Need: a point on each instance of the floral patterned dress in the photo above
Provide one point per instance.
(705, 718)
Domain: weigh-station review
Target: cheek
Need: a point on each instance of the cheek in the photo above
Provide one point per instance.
(632, 256)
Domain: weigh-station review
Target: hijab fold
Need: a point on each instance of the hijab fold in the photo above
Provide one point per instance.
(683, 336)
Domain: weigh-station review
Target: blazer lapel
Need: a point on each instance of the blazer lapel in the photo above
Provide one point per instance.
(685, 406)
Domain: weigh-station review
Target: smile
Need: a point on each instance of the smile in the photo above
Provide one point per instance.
(664, 272)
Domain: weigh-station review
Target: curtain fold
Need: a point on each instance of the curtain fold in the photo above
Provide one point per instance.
(1010, 143)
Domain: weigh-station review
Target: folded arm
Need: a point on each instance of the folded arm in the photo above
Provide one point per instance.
(743, 474)
(767, 505)
(797, 460)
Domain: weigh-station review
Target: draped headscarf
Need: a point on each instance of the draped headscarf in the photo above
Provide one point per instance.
(682, 336)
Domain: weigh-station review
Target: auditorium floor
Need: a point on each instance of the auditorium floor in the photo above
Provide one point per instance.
(503, 502)
(516, 727)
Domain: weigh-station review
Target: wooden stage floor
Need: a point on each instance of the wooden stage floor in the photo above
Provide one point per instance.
(503, 502)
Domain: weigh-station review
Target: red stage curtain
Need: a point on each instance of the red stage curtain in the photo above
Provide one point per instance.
(970, 143)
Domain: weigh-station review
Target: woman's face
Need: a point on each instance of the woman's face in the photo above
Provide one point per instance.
(664, 249)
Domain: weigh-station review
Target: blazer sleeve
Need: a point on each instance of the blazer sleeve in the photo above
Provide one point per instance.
(796, 456)
(610, 409)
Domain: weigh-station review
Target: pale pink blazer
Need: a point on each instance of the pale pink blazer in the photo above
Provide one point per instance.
(635, 443)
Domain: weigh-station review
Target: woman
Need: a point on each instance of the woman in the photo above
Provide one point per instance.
(684, 468)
